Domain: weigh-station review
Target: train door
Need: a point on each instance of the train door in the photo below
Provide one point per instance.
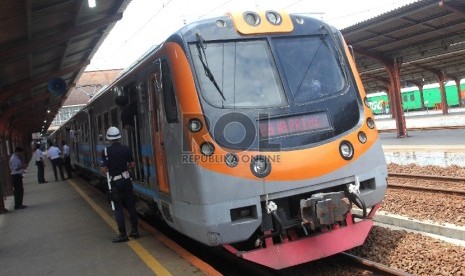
(156, 88)
(130, 122)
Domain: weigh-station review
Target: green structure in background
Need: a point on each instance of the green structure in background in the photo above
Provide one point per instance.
(411, 99)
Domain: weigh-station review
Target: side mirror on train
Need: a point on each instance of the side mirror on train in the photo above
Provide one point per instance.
(351, 49)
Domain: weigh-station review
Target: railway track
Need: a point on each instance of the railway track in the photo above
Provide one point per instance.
(376, 268)
(443, 179)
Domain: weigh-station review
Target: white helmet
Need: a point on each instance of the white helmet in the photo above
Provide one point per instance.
(113, 133)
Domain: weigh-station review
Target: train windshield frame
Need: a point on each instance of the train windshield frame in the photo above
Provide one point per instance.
(243, 74)
(244, 71)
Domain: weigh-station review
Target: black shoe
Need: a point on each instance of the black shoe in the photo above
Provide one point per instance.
(134, 234)
(20, 207)
(121, 238)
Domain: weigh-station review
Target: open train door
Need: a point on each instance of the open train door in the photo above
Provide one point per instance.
(156, 87)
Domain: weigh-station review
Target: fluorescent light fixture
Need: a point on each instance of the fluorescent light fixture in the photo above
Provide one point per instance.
(92, 4)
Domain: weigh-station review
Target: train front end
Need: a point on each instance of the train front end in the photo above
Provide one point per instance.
(284, 164)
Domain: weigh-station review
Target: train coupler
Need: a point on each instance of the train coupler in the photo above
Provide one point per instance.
(324, 209)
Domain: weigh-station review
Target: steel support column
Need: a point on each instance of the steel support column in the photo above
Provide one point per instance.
(444, 106)
(393, 70)
(459, 93)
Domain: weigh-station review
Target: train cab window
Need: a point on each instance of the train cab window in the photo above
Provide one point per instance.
(412, 97)
(405, 98)
(169, 98)
(243, 74)
(311, 67)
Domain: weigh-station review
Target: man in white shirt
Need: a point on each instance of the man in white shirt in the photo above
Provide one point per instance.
(40, 163)
(17, 169)
(66, 158)
(54, 155)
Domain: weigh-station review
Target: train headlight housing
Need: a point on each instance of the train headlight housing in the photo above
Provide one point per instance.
(273, 17)
(195, 125)
(207, 148)
(346, 150)
(231, 160)
(260, 166)
(362, 137)
(252, 18)
(370, 123)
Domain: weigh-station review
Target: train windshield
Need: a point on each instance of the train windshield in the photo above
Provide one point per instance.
(310, 66)
(240, 74)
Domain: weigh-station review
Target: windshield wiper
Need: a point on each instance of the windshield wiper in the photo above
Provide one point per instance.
(201, 48)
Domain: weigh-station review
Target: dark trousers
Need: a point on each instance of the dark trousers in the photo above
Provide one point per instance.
(67, 161)
(123, 197)
(40, 172)
(18, 190)
(58, 162)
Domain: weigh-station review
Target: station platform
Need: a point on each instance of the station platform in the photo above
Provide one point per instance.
(67, 229)
(432, 138)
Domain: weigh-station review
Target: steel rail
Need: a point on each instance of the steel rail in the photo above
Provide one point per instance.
(423, 188)
(374, 266)
(430, 177)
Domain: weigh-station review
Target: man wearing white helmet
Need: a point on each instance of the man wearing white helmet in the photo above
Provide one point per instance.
(117, 161)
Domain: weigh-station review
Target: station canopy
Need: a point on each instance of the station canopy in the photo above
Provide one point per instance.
(47, 39)
(43, 40)
(427, 39)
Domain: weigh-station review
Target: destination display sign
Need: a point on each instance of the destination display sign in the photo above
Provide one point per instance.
(293, 125)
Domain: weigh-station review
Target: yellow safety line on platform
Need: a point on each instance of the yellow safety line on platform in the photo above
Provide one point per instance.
(148, 259)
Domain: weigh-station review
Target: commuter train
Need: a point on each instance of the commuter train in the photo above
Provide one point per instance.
(412, 98)
(250, 131)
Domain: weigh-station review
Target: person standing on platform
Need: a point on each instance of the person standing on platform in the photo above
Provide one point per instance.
(67, 158)
(54, 155)
(17, 169)
(117, 159)
(40, 163)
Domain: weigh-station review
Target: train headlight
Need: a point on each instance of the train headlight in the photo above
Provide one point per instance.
(260, 166)
(346, 150)
(252, 18)
(365, 100)
(273, 17)
(195, 125)
(370, 123)
(362, 137)
(231, 160)
(207, 148)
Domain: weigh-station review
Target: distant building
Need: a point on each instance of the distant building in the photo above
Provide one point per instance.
(87, 86)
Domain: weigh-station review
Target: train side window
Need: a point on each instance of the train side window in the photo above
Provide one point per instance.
(114, 117)
(169, 98)
(99, 128)
(106, 121)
